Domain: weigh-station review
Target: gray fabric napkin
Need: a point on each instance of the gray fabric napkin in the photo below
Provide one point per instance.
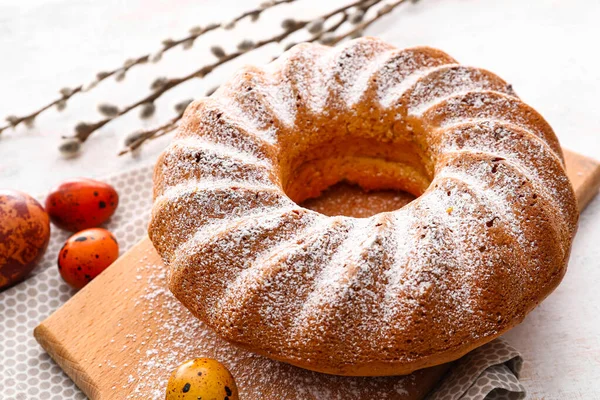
(26, 371)
(488, 372)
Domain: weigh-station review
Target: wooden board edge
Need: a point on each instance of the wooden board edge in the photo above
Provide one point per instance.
(589, 169)
(63, 358)
(50, 343)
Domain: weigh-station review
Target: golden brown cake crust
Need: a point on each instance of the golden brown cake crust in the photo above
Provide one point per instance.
(486, 240)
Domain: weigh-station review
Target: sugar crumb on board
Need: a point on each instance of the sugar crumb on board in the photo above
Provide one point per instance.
(167, 335)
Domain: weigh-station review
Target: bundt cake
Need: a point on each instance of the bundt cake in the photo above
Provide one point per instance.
(487, 238)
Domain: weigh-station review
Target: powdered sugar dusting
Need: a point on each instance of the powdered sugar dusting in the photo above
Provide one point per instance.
(426, 270)
(460, 263)
(209, 185)
(524, 150)
(215, 149)
(205, 118)
(446, 81)
(332, 281)
(349, 68)
(189, 208)
(246, 282)
(173, 336)
(493, 196)
(196, 160)
(550, 192)
(300, 67)
(403, 69)
(489, 106)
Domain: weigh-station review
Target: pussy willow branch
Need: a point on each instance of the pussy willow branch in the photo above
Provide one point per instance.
(334, 27)
(84, 129)
(119, 73)
(154, 133)
(13, 121)
(171, 125)
(253, 14)
(386, 9)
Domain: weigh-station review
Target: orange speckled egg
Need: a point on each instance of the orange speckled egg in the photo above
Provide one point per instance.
(85, 255)
(201, 378)
(81, 203)
(24, 235)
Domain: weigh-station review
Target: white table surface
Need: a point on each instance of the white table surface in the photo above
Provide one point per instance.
(548, 50)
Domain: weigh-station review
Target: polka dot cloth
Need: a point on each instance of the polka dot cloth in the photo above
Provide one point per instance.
(27, 372)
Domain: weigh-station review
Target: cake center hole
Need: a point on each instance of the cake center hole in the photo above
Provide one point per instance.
(352, 201)
(356, 177)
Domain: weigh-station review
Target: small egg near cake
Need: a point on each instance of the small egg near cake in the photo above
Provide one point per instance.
(486, 239)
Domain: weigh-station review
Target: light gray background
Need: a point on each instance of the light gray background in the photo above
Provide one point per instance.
(547, 49)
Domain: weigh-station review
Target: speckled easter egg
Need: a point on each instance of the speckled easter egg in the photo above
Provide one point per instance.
(24, 235)
(202, 378)
(81, 203)
(85, 255)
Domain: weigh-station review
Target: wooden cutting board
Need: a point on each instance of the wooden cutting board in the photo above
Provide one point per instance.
(122, 335)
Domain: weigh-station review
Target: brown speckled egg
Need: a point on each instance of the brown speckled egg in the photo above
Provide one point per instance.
(85, 255)
(81, 203)
(202, 378)
(24, 235)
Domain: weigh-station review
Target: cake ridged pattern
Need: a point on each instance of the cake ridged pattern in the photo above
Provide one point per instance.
(486, 240)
